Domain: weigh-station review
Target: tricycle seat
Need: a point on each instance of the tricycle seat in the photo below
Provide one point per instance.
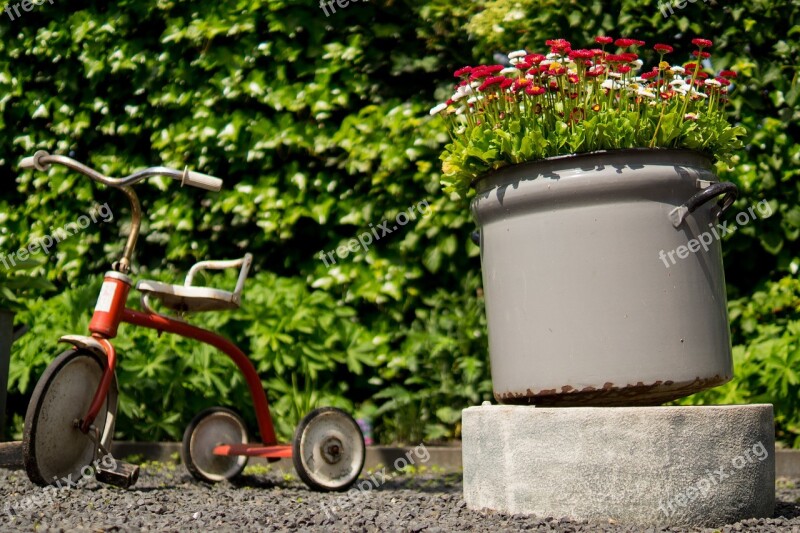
(187, 298)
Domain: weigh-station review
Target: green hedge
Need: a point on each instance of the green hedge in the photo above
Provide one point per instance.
(319, 127)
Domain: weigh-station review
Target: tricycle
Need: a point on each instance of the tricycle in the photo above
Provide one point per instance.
(71, 415)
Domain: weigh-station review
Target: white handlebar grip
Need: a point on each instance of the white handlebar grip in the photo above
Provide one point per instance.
(201, 181)
(28, 163)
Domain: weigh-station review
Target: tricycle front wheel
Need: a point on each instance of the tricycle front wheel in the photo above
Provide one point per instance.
(328, 450)
(55, 451)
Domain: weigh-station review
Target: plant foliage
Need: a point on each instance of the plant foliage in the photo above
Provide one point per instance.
(319, 127)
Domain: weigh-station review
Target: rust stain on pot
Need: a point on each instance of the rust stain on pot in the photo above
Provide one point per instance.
(610, 395)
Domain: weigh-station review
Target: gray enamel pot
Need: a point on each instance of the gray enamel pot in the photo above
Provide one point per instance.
(587, 299)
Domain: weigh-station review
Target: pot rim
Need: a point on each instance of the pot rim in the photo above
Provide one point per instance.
(585, 155)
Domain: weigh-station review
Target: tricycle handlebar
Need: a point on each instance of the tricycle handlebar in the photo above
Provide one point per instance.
(42, 160)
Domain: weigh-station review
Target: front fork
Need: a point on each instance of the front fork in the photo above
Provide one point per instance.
(105, 321)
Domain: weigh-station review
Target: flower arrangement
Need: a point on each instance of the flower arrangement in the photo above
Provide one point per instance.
(581, 100)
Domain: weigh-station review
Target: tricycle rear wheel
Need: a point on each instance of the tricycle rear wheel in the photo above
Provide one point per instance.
(328, 450)
(211, 428)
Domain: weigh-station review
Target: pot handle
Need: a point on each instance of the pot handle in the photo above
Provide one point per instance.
(476, 237)
(679, 214)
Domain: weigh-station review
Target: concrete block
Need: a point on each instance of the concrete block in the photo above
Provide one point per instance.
(643, 466)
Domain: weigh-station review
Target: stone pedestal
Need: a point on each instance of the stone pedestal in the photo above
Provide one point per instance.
(641, 466)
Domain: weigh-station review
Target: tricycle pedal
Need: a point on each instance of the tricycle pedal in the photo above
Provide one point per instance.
(121, 474)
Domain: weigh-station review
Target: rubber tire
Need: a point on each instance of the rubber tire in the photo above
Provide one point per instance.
(297, 457)
(186, 448)
(32, 416)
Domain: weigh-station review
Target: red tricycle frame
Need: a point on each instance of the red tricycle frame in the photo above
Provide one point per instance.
(112, 310)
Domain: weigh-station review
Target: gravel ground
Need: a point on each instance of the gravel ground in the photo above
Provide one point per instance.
(167, 498)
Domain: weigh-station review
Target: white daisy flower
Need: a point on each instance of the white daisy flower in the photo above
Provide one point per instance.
(646, 92)
(713, 82)
(517, 53)
(678, 70)
(637, 64)
(509, 70)
(438, 109)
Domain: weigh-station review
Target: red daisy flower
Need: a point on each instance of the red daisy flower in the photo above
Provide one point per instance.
(491, 80)
(616, 58)
(690, 66)
(728, 74)
(625, 43)
(559, 45)
(573, 78)
(478, 72)
(595, 71)
(581, 54)
(462, 72)
(702, 43)
(650, 75)
(535, 58)
(603, 40)
(534, 90)
(663, 48)
(724, 81)
(630, 56)
(506, 83)
(703, 55)
(623, 69)
(521, 84)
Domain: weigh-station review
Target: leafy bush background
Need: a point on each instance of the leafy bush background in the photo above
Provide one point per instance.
(319, 127)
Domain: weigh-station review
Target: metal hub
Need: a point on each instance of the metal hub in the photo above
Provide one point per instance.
(332, 450)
